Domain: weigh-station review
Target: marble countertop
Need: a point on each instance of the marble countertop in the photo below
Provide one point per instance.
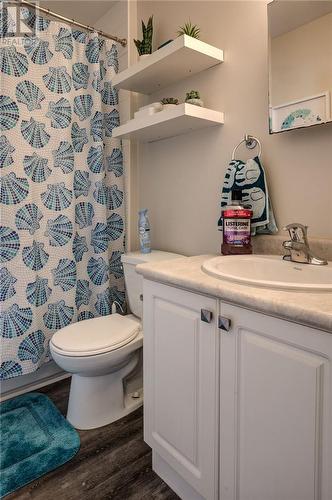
(310, 309)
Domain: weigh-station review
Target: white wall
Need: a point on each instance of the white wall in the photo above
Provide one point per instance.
(180, 178)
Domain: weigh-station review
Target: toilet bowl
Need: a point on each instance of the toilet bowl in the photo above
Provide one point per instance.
(104, 356)
(100, 353)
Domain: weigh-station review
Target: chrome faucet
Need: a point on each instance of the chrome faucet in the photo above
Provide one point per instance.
(298, 246)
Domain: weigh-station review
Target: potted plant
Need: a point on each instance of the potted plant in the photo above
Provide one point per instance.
(193, 97)
(189, 29)
(144, 47)
(169, 102)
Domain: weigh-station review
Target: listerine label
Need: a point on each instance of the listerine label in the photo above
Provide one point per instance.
(237, 232)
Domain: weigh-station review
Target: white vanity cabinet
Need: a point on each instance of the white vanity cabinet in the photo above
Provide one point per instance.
(181, 373)
(238, 411)
(275, 409)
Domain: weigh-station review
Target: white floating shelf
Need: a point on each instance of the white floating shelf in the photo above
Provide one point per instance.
(168, 123)
(175, 61)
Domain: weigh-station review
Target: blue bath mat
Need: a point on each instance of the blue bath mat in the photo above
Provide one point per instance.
(34, 439)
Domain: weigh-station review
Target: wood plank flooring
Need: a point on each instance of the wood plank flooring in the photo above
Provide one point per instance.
(113, 463)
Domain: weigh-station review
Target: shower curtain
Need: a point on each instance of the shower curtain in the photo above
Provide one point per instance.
(62, 194)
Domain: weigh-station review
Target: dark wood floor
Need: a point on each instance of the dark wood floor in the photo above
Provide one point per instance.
(113, 463)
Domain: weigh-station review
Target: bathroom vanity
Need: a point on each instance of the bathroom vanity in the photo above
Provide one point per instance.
(238, 386)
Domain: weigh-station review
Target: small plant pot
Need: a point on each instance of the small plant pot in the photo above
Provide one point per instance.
(169, 106)
(143, 56)
(195, 102)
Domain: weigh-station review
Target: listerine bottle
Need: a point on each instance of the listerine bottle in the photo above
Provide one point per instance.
(236, 226)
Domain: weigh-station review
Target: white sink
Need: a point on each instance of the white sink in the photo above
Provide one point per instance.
(270, 271)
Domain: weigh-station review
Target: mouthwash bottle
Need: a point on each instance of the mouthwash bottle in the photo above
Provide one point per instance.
(144, 231)
(236, 227)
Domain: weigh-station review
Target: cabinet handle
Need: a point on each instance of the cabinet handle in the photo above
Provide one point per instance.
(141, 297)
(224, 323)
(206, 316)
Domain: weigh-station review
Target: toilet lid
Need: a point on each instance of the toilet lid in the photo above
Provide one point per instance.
(97, 335)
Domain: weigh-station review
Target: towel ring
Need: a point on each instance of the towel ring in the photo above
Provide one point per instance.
(251, 143)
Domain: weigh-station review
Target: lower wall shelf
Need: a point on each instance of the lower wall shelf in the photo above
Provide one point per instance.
(169, 123)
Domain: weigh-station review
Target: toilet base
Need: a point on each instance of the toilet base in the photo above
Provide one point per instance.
(100, 400)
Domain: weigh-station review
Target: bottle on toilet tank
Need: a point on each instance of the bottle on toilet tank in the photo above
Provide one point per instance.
(144, 231)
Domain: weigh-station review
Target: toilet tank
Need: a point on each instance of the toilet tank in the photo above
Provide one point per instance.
(134, 281)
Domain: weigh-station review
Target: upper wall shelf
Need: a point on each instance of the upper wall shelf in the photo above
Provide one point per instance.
(179, 59)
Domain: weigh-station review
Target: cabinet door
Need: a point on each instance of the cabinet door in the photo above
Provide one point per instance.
(181, 373)
(276, 433)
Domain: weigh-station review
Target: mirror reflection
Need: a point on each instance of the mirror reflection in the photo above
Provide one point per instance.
(300, 63)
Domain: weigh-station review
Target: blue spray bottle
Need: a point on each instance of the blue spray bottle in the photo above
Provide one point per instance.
(144, 231)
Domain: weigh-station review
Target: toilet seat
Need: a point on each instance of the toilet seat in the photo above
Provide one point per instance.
(96, 335)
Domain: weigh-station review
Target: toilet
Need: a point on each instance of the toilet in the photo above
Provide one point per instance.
(104, 355)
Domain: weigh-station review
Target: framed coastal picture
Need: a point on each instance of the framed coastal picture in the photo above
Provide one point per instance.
(305, 112)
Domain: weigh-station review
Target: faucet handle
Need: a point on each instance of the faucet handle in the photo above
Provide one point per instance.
(297, 232)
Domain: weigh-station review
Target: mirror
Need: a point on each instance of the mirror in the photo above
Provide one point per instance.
(300, 63)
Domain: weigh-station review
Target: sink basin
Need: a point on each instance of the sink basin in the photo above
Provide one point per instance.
(270, 271)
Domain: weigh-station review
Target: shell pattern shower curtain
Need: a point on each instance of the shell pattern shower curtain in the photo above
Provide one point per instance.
(62, 199)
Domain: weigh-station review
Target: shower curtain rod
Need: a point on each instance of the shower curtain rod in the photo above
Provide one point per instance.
(122, 41)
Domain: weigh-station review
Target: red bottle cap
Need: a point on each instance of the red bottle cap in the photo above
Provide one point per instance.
(244, 213)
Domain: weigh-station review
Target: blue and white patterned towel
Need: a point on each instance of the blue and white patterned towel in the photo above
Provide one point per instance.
(250, 177)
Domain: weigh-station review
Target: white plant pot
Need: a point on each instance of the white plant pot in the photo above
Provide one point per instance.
(143, 56)
(195, 102)
(169, 106)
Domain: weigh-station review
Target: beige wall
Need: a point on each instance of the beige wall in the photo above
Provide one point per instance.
(301, 61)
(180, 178)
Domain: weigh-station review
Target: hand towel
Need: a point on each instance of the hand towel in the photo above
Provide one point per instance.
(250, 177)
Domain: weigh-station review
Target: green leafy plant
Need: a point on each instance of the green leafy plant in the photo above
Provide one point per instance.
(145, 46)
(193, 94)
(189, 29)
(169, 100)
